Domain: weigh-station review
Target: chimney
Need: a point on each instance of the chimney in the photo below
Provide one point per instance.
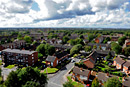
(81, 69)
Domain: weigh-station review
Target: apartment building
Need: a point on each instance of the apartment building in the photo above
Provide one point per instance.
(20, 57)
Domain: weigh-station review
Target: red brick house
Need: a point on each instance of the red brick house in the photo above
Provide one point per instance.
(118, 62)
(56, 59)
(89, 63)
(81, 75)
(126, 67)
(127, 43)
(99, 39)
(20, 57)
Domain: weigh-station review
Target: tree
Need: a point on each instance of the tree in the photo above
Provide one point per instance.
(75, 49)
(116, 47)
(27, 39)
(45, 49)
(31, 84)
(113, 81)
(12, 80)
(94, 47)
(19, 36)
(26, 76)
(90, 37)
(121, 40)
(68, 84)
(109, 56)
(88, 48)
(95, 83)
(81, 37)
(126, 51)
(41, 49)
(65, 39)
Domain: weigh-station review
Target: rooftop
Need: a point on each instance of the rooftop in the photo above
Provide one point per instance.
(19, 51)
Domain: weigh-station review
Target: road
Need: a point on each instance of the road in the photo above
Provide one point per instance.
(58, 79)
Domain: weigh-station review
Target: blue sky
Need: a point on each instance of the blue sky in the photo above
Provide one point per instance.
(65, 13)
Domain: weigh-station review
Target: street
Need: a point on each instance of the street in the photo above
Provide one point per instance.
(58, 79)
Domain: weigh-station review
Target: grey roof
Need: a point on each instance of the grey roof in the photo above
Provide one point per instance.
(119, 60)
(19, 51)
(127, 64)
(51, 58)
(105, 52)
(94, 55)
(78, 70)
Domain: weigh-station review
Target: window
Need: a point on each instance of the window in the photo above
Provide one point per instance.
(32, 57)
(32, 54)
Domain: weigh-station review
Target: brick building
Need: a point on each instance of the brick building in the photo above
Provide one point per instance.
(20, 57)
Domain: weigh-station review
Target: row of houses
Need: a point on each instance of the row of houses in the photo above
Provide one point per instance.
(14, 45)
(121, 64)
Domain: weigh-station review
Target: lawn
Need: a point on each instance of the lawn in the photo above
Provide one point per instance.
(76, 84)
(0, 62)
(10, 66)
(50, 70)
(43, 61)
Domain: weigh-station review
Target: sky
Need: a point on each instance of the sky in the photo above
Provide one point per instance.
(65, 13)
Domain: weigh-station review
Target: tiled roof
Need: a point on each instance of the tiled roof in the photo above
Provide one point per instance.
(80, 71)
(119, 60)
(51, 58)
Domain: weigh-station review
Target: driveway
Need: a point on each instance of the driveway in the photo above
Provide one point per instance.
(58, 79)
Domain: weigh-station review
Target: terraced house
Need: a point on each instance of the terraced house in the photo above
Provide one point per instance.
(20, 57)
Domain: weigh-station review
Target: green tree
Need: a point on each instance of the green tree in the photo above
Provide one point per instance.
(65, 39)
(75, 49)
(27, 39)
(90, 37)
(12, 80)
(121, 40)
(19, 37)
(68, 84)
(41, 49)
(31, 84)
(81, 37)
(109, 56)
(26, 76)
(94, 47)
(113, 81)
(95, 83)
(88, 48)
(126, 51)
(116, 47)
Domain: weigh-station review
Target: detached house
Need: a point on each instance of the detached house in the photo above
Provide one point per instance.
(118, 62)
(126, 67)
(81, 75)
(99, 39)
(127, 43)
(56, 59)
(102, 77)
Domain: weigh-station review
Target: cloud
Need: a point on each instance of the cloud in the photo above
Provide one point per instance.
(54, 13)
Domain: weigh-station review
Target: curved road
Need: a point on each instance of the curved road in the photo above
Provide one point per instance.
(58, 79)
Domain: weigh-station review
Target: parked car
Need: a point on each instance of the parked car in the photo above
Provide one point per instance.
(72, 60)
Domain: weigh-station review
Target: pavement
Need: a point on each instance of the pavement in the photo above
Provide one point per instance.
(5, 71)
(60, 77)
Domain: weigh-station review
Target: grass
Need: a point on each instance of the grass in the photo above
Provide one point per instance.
(0, 62)
(43, 61)
(76, 84)
(50, 70)
(10, 66)
(69, 78)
